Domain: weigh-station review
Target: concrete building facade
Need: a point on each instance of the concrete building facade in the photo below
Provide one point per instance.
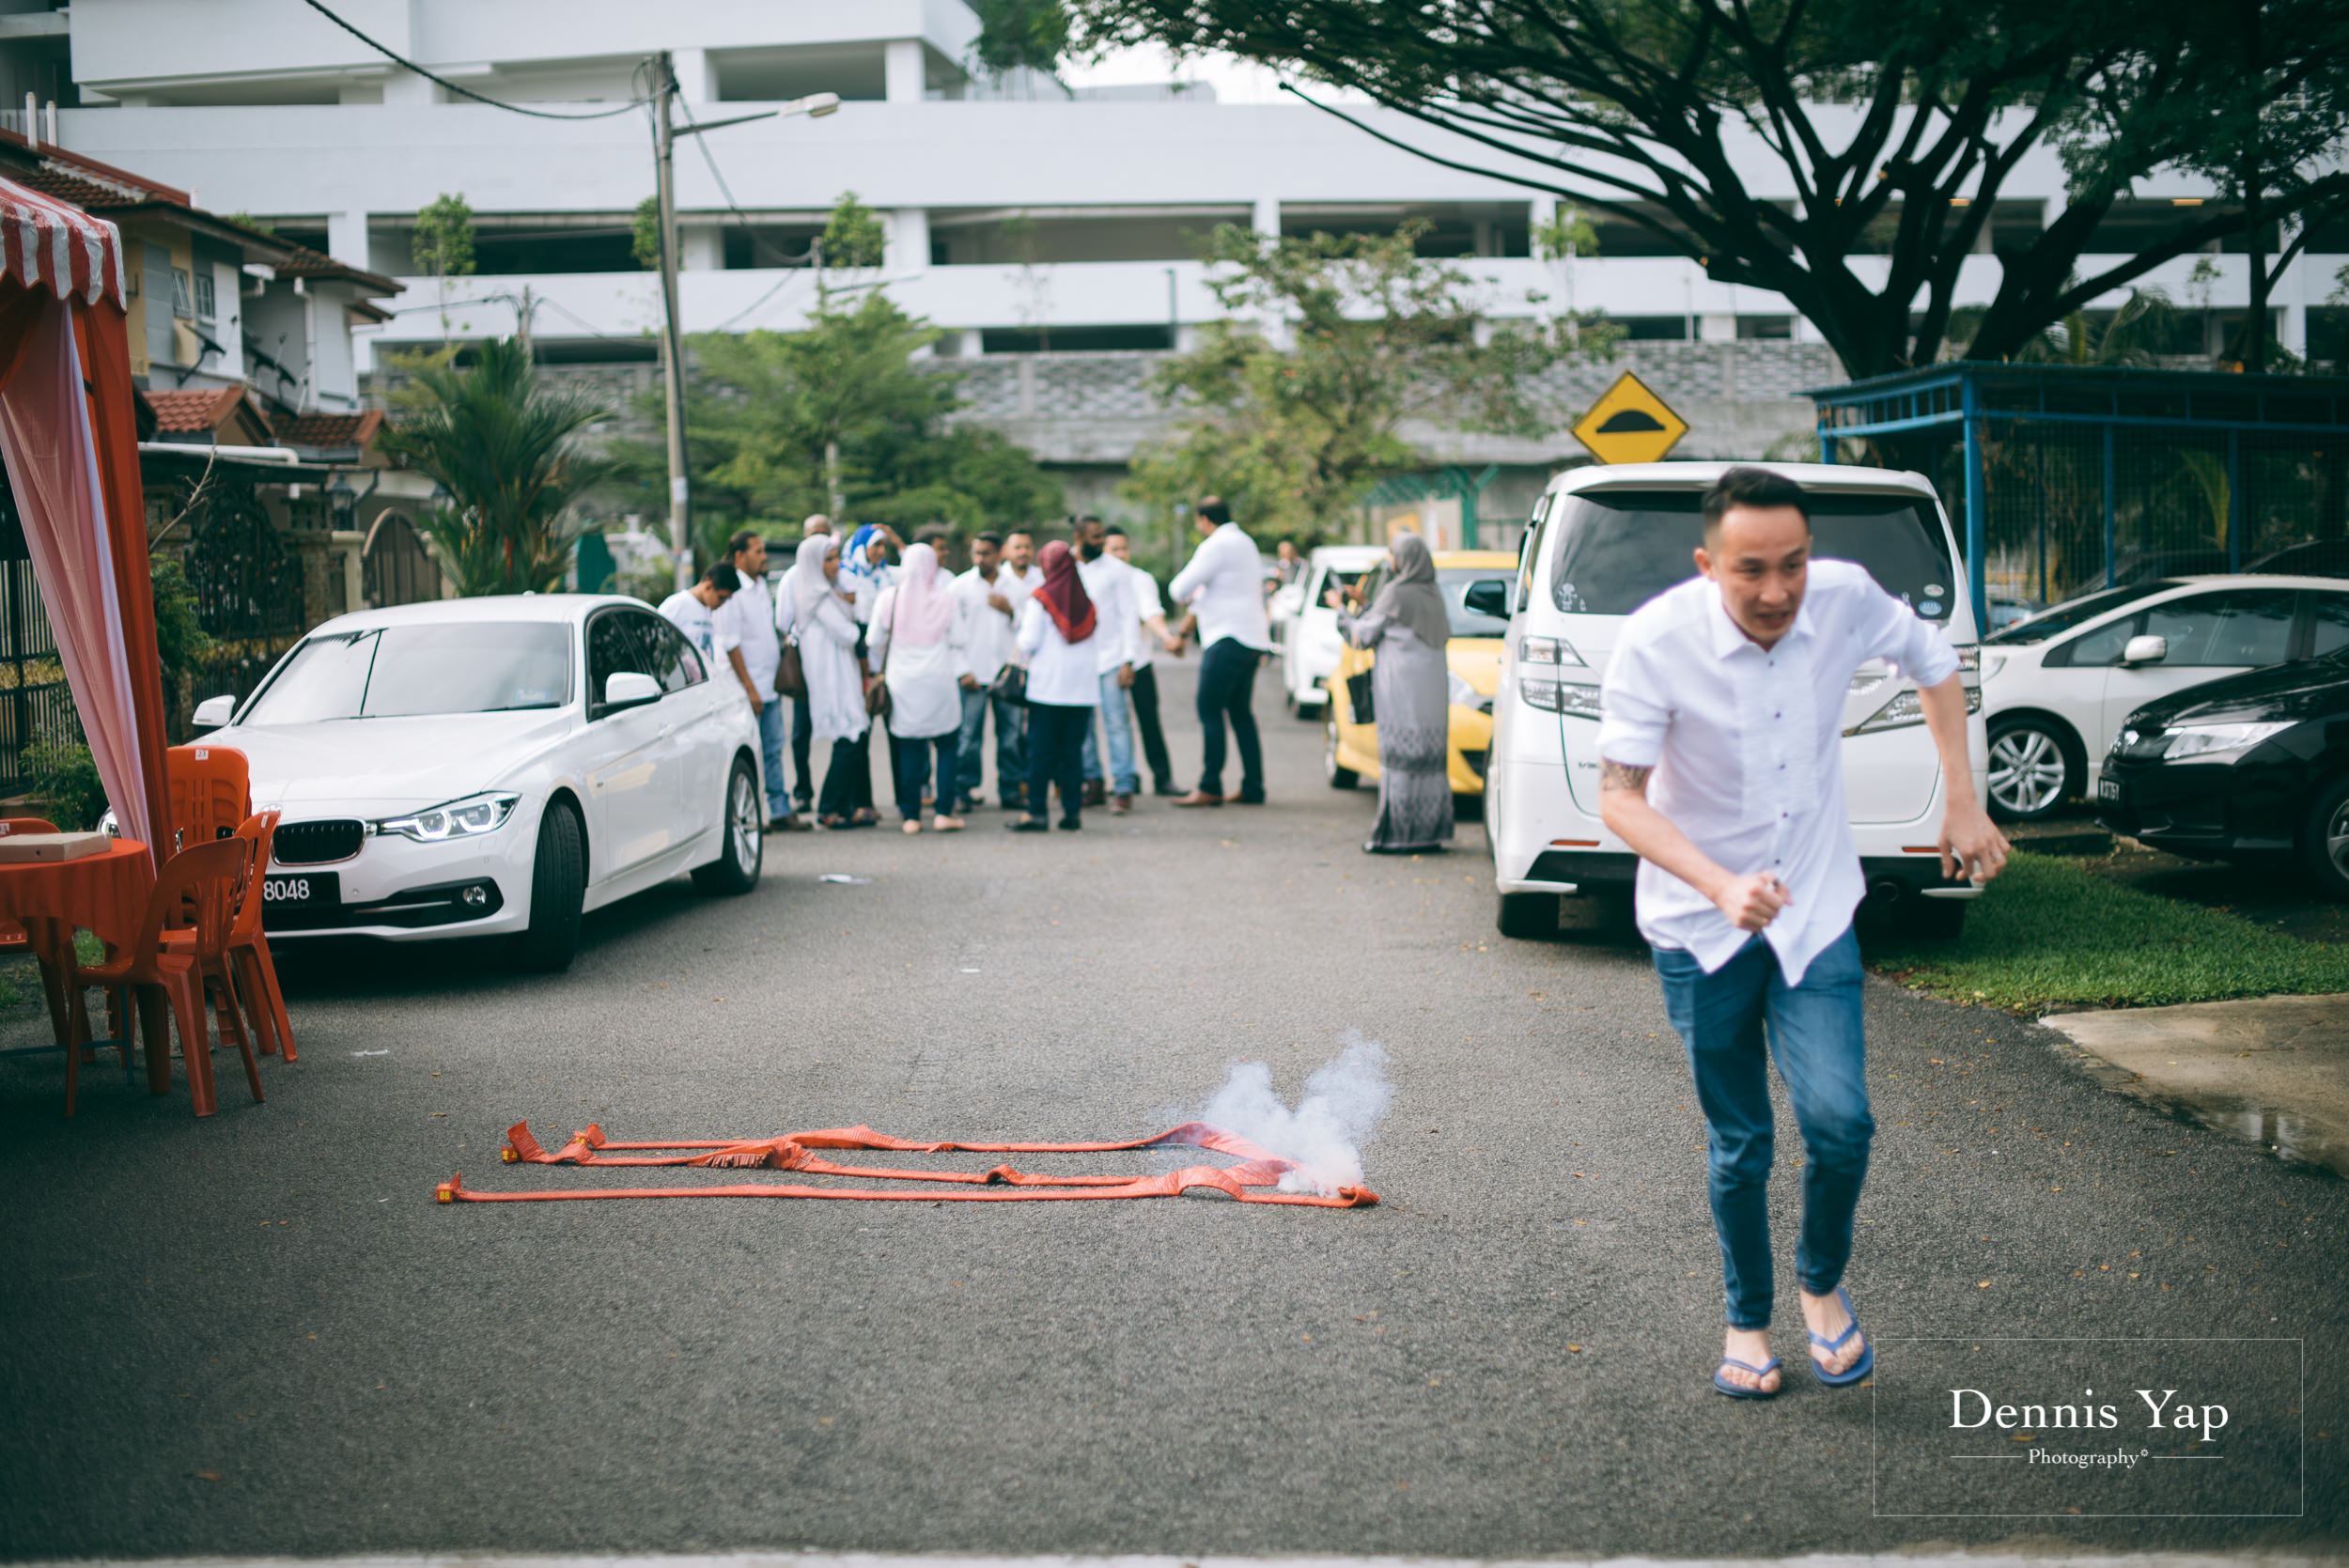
(1022, 219)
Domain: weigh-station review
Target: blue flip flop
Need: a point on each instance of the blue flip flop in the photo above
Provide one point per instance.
(1738, 1390)
(1859, 1369)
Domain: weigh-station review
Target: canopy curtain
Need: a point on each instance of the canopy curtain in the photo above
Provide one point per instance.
(68, 438)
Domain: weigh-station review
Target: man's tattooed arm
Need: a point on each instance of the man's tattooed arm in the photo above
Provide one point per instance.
(1616, 775)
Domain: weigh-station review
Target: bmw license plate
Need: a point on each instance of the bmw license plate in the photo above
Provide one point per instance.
(2108, 789)
(300, 890)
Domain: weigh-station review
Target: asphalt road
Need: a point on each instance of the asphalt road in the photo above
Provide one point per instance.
(259, 1333)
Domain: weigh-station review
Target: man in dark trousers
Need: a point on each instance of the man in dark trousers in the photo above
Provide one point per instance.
(1223, 588)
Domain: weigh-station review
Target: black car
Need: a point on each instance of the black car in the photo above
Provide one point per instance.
(2245, 768)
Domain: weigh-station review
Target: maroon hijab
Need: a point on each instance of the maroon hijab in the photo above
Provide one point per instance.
(1063, 593)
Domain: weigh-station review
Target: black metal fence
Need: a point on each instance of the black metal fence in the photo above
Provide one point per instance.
(35, 706)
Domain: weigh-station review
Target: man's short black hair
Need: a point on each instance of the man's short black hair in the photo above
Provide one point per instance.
(741, 539)
(989, 536)
(1115, 529)
(933, 535)
(723, 577)
(1215, 512)
(1090, 517)
(1758, 488)
(1023, 531)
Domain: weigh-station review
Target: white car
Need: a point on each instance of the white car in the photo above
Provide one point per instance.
(484, 766)
(1306, 638)
(1602, 541)
(2057, 688)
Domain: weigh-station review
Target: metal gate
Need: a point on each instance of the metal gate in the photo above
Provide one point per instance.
(35, 705)
(248, 590)
(395, 568)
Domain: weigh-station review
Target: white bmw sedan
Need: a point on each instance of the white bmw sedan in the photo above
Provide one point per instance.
(492, 767)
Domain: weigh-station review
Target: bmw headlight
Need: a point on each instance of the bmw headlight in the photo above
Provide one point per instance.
(470, 817)
(2205, 740)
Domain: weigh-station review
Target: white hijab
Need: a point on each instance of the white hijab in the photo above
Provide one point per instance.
(808, 584)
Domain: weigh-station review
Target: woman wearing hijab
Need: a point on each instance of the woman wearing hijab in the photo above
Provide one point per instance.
(1056, 630)
(827, 635)
(1410, 689)
(919, 644)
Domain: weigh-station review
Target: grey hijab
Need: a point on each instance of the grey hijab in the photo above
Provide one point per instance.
(1409, 599)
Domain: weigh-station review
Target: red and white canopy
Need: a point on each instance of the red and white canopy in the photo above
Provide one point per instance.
(46, 243)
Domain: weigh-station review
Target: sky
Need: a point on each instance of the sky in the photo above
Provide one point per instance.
(1234, 79)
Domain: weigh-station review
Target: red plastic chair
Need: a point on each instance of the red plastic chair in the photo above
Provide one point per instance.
(212, 792)
(17, 937)
(198, 890)
(248, 948)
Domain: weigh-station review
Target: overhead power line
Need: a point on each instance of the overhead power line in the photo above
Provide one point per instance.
(465, 91)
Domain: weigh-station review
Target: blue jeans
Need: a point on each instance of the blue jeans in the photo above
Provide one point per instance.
(1119, 721)
(1011, 750)
(1814, 1030)
(910, 759)
(773, 730)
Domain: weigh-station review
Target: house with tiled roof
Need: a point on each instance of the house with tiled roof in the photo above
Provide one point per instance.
(218, 301)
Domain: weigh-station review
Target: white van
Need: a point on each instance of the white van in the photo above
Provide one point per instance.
(1602, 541)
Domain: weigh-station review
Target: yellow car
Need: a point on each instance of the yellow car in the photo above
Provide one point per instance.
(1480, 630)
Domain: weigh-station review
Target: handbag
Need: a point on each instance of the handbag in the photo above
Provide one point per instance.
(1358, 693)
(790, 674)
(1011, 685)
(876, 684)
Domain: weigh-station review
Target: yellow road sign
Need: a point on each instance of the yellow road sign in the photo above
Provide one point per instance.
(1629, 424)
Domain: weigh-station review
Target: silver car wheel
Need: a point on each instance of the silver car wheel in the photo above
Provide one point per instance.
(2027, 771)
(743, 820)
(2336, 838)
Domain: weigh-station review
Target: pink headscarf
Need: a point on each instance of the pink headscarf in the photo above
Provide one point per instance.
(925, 610)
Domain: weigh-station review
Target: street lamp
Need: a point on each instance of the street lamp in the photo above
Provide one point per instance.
(342, 503)
(816, 106)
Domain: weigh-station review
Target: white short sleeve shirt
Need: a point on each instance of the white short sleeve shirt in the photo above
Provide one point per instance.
(1747, 745)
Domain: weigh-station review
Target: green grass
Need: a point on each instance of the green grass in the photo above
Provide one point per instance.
(2048, 935)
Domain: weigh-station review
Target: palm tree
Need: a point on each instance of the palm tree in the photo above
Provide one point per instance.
(501, 447)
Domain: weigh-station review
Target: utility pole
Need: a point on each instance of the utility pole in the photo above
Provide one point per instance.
(672, 341)
(816, 106)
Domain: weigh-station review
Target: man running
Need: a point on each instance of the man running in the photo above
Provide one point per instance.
(1727, 692)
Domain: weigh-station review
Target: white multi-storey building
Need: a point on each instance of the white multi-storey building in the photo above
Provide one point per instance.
(1021, 219)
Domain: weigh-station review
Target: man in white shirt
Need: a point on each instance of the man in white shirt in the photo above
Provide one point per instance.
(1729, 690)
(1118, 643)
(1223, 588)
(991, 595)
(694, 612)
(1145, 687)
(756, 652)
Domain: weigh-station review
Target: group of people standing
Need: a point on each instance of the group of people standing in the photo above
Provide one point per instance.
(1057, 647)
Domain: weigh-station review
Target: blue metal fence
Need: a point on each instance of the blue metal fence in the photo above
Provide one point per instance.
(2073, 478)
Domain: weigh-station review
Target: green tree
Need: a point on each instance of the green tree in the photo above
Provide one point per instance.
(1016, 33)
(1294, 431)
(503, 447)
(838, 418)
(853, 237)
(643, 233)
(444, 240)
(1894, 128)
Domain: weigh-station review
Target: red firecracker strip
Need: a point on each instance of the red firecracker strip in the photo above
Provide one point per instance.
(795, 1151)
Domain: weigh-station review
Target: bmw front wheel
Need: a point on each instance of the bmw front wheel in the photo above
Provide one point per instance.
(742, 842)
